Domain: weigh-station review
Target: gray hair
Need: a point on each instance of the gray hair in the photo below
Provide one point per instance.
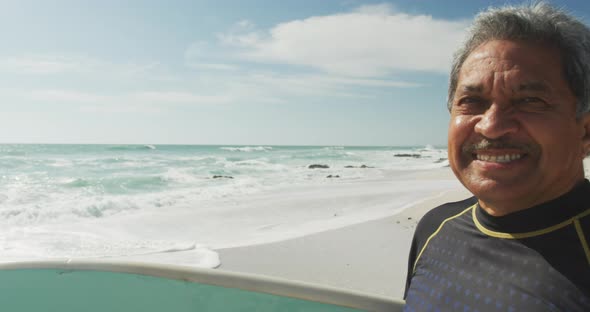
(536, 23)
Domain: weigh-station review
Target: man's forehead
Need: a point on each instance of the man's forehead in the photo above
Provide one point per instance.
(507, 53)
(491, 59)
(532, 85)
(518, 66)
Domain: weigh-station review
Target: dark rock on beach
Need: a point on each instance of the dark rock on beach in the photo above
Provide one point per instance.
(362, 166)
(333, 176)
(440, 160)
(316, 166)
(222, 177)
(408, 155)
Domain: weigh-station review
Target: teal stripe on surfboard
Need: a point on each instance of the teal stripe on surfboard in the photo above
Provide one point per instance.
(56, 290)
(138, 287)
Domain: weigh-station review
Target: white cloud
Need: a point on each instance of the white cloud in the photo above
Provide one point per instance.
(202, 55)
(278, 88)
(38, 64)
(260, 87)
(142, 101)
(244, 25)
(365, 82)
(213, 66)
(75, 64)
(159, 97)
(369, 41)
(67, 96)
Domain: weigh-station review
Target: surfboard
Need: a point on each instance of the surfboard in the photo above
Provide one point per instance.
(94, 286)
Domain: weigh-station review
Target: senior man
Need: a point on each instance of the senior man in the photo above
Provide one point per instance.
(519, 99)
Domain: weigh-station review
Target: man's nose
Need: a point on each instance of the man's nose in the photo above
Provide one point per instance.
(497, 121)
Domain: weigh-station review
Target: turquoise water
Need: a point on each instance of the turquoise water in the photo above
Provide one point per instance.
(41, 175)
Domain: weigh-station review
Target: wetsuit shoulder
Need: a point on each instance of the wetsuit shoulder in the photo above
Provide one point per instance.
(433, 218)
(429, 223)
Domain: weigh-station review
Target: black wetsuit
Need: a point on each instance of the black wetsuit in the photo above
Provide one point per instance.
(538, 259)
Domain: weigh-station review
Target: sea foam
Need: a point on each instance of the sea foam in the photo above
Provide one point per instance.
(247, 148)
(165, 204)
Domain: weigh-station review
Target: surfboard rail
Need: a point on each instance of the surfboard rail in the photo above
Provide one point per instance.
(229, 280)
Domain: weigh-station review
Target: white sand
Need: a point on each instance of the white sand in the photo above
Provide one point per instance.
(369, 257)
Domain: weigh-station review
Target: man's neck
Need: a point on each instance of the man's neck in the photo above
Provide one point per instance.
(502, 208)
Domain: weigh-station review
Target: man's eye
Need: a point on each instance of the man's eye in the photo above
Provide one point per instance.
(472, 103)
(530, 100)
(531, 103)
(470, 100)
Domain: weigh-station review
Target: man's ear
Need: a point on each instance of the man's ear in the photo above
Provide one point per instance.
(586, 134)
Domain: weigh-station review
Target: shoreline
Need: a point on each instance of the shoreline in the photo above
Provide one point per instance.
(369, 257)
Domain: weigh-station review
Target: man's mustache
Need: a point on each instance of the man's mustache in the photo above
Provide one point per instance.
(486, 144)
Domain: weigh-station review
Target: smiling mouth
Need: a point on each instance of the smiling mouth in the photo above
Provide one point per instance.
(502, 159)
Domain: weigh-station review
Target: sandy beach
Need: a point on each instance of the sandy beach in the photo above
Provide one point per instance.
(370, 257)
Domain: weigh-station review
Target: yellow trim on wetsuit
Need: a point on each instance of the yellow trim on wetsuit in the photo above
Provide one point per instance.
(436, 232)
(526, 234)
(582, 239)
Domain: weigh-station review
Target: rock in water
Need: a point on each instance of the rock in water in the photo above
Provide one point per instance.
(317, 166)
(362, 166)
(222, 177)
(407, 155)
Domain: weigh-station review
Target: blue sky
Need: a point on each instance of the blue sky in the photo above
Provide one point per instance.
(289, 72)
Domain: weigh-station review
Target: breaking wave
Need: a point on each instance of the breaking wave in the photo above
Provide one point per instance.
(248, 149)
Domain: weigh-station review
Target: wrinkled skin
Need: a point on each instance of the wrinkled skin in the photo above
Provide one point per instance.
(514, 138)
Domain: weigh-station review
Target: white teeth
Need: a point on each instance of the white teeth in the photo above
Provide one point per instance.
(498, 158)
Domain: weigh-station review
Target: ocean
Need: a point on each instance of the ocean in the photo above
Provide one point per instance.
(145, 201)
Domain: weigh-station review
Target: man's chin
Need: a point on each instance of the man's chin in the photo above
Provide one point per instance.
(496, 189)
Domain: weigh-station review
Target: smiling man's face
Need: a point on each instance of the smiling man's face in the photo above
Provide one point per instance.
(514, 140)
